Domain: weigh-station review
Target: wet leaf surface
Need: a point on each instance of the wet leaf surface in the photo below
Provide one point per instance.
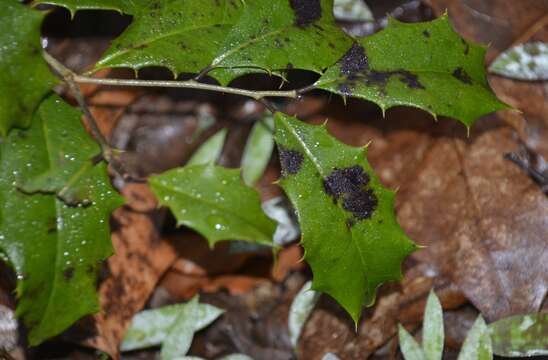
(425, 65)
(351, 238)
(215, 202)
(21, 58)
(55, 249)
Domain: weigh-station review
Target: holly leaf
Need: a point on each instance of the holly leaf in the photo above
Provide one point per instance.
(232, 37)
(424, 65)
(271, 36)
(24, 76)
(55, 249)
(351, 238)
(215, 202)
(122, 6)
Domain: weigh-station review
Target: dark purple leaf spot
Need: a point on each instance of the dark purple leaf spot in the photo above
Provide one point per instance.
(380, 78)
(291, 161)
(348, 186)
(306, 11)
(68, 273)
(354, 61)
(462, 75)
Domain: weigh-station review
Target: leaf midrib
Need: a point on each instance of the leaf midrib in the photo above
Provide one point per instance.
(322, 174)
(158, 38)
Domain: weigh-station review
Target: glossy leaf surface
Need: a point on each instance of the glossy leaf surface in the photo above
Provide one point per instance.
(54, 248)
(351, 238)
(24, 76)
(424, 65)
(215, 202)
(235, 37)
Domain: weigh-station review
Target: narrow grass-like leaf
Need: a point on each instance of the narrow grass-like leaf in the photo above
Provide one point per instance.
(215, 202)
(300, 310)
(425, 65)
(432, 328)
(24, 76)
(409, 347)
(521, 335)
(151, 327)
(350, 234)
(180, 335)
(258, 150)
(523, 62)
(210, 150)
(477, 344)
(54, 248)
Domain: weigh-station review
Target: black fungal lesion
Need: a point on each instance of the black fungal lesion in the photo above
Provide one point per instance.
(349, 187)
(68, 273)
(290, 161)
(426, 33)
(306, 11)
(354, 62)
(354, 67)
(461, 74)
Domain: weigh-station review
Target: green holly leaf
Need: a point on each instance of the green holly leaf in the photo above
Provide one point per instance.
(233, 36)
(122, 6)
(424, 65)
(24, 76)
(55, 249)
(351, 238)
(271, 36)
(215, 202)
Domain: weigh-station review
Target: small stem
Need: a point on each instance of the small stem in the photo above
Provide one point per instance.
(70, 79)
(189, 84)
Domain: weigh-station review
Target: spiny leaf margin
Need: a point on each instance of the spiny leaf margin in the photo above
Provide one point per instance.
(425, 65)
(350, 252)
(55, 249)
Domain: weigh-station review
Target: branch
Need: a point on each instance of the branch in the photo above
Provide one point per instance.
(70, 79)
(188, 84)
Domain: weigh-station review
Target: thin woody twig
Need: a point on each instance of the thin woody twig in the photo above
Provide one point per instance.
(70, 79)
